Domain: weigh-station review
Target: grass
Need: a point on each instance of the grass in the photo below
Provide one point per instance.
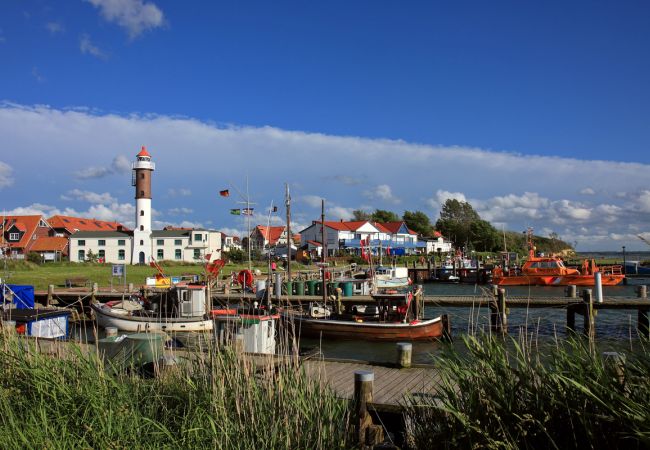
(222, 401)
(503, 395)
(40, 276)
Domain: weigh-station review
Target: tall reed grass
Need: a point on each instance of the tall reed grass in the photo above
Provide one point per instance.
(222, 400)
(502, 394)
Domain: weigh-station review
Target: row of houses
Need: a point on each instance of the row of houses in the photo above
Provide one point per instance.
(80, 239)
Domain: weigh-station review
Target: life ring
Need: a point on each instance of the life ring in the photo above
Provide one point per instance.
(245, 278)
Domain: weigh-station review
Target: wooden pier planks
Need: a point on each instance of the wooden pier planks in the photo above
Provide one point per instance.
(391, 385)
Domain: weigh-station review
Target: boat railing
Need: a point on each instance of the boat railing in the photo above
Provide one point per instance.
(612, 270)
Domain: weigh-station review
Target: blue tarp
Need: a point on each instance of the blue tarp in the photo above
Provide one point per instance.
(23, 295)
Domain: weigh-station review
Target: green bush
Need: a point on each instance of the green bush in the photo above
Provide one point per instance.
(34, 257)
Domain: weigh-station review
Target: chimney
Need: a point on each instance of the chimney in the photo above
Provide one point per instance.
(120, 228)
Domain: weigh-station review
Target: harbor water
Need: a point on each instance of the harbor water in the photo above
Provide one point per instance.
(613, 327)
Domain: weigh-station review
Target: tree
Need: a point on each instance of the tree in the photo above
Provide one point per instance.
(383, 216)
(483, 236)
(455, 220)
(418, 222)
(359, 215)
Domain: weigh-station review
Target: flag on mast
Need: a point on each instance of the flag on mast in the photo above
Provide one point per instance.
(235, 212)
(247, 211)
(224, 193)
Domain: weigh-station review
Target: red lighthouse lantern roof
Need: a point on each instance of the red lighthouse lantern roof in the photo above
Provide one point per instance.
(144, 152)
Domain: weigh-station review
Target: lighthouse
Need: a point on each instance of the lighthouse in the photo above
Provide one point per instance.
(142, 170)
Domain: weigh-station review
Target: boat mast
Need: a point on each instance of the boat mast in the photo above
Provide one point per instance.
(288, 205)
(324, 248)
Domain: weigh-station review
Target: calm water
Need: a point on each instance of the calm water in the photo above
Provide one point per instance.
(541, 324)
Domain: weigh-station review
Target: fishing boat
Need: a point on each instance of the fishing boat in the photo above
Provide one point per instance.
(551, 271)
(181, 308)
(391, 317)
(391, 277)
(257, 327)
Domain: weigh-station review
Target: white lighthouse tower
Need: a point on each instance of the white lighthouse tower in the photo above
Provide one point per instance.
(142, 170)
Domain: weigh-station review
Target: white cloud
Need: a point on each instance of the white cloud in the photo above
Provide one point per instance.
(6, 175)
(121, 164)
(587, 191)
(382, 192)
(54, 27)
(135, 16)
(90, 197)
(120, 212)
(87, 47)
(505, 188)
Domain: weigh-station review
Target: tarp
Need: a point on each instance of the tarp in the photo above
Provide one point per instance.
(23, 295)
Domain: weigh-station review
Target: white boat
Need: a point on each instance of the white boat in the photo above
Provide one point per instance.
(391, 277)
(179, 309)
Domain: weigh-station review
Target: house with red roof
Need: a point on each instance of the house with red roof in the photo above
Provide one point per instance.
(394, 238)
(18, 234)
(264, 238)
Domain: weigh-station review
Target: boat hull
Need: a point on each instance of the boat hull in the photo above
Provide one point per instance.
(557, 280)
(107, 318)
(423, 330)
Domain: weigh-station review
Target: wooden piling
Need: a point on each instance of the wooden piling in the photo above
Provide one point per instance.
(50, 295)
(642, 291)
(499, 312)
(404, 354)
(571, 291)
(571, 318)
(367, 434)
(589, 316)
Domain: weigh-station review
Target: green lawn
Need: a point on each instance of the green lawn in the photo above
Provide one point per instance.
(40, 276)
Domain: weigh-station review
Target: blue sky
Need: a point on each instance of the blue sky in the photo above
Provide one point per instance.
(538, 114)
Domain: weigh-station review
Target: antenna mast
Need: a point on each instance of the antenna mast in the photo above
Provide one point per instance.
(289, 237)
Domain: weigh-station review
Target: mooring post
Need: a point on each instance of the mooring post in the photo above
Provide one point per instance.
(94, 292)
(404, 354)
(367, 433)
(589, 317)
(598, 284)
(495, 290)
(614, 363)
(503, 310)
(642, 291)
(571, 318)
(571, 291)
(446, 328)
(50, 295)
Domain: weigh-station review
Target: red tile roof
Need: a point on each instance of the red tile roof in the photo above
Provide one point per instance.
(344, 226)
(270, 234)
(25, 224)
(44, 244)
(144, 152)
(74, 224)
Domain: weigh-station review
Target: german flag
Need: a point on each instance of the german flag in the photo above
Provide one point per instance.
(224, 193)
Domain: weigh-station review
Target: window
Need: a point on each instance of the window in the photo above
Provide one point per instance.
(141, 227)
(197, 253)
(101, 242)
(141, 242)
(142, 212)
(178, 242)
(198, 237)
(161, 254)
(142, 193)
(120, 255)
(160, 242)
(142, 175)
(81, 255)
(14, 236)
(102, 255)
(81, 242)
(121, 243)
(177, 254)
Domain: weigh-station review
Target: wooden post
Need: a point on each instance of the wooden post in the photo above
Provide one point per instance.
(404, 354)
(495, 290)
(642, 291)
(571, 318)
(589, 317)
(50, 295)
(446, 328)
(366, 432)
(94, 292)
(614, 363)
(499, 313)
(571, 291)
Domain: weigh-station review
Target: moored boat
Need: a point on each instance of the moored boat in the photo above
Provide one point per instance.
(393, 317)
(181, 308)
(551, 271)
